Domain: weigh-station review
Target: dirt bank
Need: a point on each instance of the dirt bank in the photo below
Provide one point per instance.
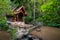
(4, 35)
(48, 33)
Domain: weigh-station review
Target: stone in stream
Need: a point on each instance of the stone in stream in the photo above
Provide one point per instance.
(28, 37)
(20, 33)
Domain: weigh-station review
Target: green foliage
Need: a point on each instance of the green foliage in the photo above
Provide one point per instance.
(50, 7)
(28, 19)
(4, 8)
(49, 15)
(13, 31)
(3, 25)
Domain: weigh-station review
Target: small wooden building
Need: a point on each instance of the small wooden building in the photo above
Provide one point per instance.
(19, 13)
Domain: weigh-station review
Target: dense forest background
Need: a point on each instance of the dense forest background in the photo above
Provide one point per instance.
(46, 11)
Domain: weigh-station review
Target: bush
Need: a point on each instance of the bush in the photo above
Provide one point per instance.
(3, 25)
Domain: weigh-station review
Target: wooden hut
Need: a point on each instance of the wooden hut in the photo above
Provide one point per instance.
(19, 13)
